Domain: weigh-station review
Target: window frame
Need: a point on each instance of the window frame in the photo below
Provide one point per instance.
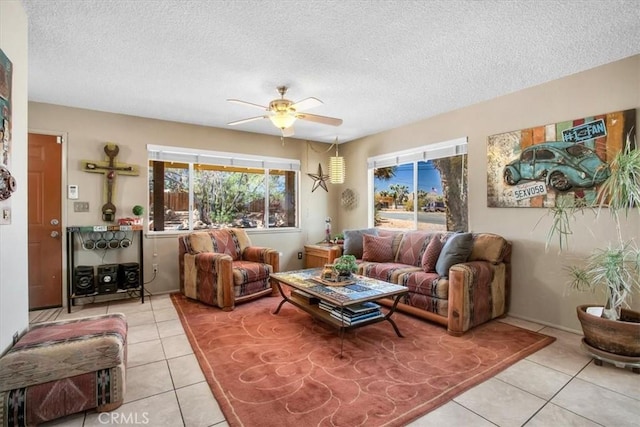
(193, 156)
(450, 148)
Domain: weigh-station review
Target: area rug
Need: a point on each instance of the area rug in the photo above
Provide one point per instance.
(286, 370)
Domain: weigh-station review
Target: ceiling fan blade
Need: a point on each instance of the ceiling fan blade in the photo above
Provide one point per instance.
(288, 131)
(251, 104)
(319, 119)
(307, 103)
(250, 119)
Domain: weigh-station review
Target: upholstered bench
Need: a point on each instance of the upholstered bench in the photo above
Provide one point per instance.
(60, 368)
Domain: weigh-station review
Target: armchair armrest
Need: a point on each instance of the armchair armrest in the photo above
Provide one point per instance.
(210, 262)
(262, 254)
(216, 268)
(476, 294)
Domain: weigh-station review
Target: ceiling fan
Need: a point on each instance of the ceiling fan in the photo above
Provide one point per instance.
(283, 112)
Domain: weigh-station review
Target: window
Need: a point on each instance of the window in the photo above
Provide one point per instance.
(543, 154)
(527, 156)
(421, 189)
(197, 189)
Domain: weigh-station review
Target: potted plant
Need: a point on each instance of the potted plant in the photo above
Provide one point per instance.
(345, 266)
(613, 332)
(138, 211)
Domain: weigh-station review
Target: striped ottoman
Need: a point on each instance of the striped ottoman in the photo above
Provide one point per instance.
(60, 368)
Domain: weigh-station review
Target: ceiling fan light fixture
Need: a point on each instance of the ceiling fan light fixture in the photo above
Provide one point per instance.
(283, 112)
(337, 168)
(282, 119)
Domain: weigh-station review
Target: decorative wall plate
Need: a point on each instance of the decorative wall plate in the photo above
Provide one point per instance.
(348, 199)
(7, 183)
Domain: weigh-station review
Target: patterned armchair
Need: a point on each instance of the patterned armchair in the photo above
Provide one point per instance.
(221, 268)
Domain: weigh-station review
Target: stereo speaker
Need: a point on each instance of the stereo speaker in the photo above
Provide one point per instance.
(129, 275)
(83, 280)
(107, 278)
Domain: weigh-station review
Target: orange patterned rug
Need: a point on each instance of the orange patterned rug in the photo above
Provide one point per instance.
(286, 370)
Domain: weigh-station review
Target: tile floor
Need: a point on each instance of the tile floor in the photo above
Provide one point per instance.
(556, 386)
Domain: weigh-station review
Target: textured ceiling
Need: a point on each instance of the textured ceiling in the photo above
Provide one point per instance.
(375, 64)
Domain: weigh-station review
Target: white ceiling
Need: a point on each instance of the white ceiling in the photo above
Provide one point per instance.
(375, 64)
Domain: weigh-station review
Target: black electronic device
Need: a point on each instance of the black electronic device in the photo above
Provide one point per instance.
(83, 280)
(129, 275)
(107, 278)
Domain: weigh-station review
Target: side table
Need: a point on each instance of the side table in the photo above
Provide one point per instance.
(320, 254)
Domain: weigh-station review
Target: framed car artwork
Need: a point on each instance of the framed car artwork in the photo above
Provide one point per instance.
(7, 181)
(531, 167)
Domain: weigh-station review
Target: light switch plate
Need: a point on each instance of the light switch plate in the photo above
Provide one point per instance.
(73, 192)
(5, 216)
(81, 206)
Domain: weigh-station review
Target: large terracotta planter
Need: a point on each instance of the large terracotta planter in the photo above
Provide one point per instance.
(616, 337)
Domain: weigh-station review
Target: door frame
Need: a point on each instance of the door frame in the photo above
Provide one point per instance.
(63, 204)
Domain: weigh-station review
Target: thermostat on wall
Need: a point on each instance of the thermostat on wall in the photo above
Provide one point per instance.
(73, 191)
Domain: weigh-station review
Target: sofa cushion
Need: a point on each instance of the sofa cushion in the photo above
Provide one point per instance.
(377, 248)
(456, 249)
(412, 247)
(397, 238)
(386, 271)
(353, 241)
(488, 247)
(200, 241)
(431, 254)
(429, 284)
(248, 271)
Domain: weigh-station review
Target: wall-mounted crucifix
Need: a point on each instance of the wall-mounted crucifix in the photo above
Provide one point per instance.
(110, 168)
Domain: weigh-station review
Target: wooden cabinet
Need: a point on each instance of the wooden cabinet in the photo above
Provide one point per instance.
(320, 254)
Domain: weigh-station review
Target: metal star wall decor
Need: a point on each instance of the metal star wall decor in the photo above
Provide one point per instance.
(319, 179)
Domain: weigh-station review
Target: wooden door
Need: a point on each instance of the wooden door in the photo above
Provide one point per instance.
(45, 221)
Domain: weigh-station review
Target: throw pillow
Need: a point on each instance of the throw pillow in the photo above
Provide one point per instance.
(353, 241)
(456, 249)
(377, 249)
(431, 254)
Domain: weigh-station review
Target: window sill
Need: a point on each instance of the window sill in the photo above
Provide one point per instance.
(174, 233)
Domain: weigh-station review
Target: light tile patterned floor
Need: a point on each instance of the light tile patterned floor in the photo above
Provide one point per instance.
(556, 386)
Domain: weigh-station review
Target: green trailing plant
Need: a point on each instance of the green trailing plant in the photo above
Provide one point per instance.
(615, 268)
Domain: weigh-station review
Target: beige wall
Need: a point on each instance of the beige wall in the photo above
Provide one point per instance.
(13, 237)
(538, 291)
(87, 132)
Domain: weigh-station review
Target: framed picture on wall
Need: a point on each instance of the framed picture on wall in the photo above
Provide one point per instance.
(7, 182)
(532, 167)
(5, 107)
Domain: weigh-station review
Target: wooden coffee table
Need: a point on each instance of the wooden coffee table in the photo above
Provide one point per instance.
(309, 293)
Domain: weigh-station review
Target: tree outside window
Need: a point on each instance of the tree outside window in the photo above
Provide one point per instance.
(422, 195)
(219, 197)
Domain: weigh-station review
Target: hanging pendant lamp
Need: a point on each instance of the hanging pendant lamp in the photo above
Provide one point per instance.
(337, 169)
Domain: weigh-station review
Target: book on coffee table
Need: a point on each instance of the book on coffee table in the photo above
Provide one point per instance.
(352, 320)
(308, 298)
(363, 307)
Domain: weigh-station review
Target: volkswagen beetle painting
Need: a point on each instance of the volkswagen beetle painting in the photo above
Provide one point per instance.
(561, 165)
(537, 167)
